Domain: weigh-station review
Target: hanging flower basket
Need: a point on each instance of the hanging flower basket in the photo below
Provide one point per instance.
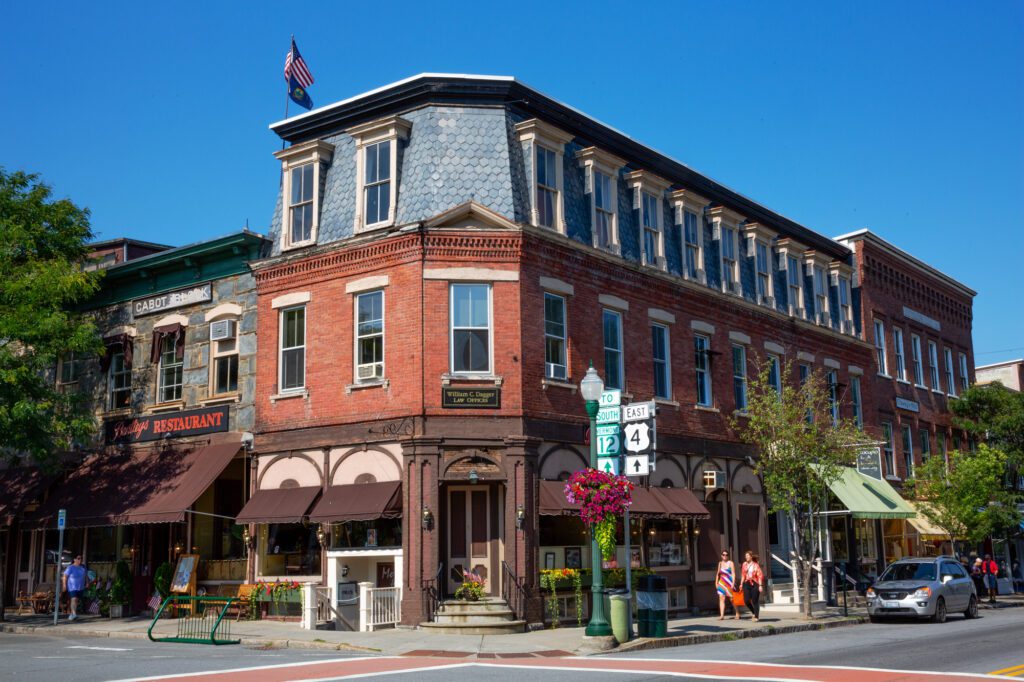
(602, 499)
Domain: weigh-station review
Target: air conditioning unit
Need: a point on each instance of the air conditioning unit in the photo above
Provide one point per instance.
(714, 480)
(553, 371)
(847, 326)
(374, 371)
(824, 319)
(767, 301)
(735, 288)
(222, 329)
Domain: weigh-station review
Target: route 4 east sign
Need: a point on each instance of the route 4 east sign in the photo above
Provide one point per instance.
(638, 436)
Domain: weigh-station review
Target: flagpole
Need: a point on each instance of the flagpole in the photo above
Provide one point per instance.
(287, 89)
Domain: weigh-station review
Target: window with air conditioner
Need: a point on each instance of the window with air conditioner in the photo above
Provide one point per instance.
(223, 357)
(369, 336)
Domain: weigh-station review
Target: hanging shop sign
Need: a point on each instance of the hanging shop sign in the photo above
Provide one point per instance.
(869, 462)
(470, 398)
(172, 299)
(167, 425)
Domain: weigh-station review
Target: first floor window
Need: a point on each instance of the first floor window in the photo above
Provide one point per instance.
(471, 328)
(940, 440)
(370, 336)
(775, 374)
(659, 354)
(377, 182)
(554, 337)
(888, 448)
(858, 410)
(170, 371)
(120, 380)
(702, 363)
(293, 348)
(547, 187)
(612, 329)
(739, 376)
(225, 366)
(908, 451)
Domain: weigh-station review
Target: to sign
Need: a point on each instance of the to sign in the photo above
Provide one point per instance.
(638, 465)
(609, 465)
(608, 445)
(638, 436)
(638, 412)
(609, 415)
(611, 397)
(62, 517)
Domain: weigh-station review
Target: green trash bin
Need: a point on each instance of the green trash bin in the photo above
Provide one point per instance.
(619, 615)
(652, 606)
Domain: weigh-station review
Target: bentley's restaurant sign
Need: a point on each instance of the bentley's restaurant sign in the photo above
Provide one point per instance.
(172, 299)
(169, 425)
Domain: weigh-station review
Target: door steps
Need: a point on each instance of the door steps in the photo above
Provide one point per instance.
(490, 616)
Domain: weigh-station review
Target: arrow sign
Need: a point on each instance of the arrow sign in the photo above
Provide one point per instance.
(638, 465)
(609, 465)
(638, 436)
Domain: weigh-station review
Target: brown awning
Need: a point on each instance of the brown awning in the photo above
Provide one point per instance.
(681, 503)
(649, 503)
(141, 486)
(359, 502)
(278, 505)
(18, 487)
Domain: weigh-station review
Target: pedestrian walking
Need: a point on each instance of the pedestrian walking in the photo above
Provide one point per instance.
(74, 579)
(979, 581)
(753, 583)
(990, 573)
(725, 583)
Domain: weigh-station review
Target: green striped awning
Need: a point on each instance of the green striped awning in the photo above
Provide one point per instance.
(870, 498)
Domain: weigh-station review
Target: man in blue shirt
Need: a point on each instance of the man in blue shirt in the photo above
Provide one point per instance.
(74, 583)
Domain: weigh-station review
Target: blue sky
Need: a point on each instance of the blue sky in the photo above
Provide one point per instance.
(906, 118)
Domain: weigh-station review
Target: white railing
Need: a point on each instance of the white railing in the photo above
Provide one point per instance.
(379, 606)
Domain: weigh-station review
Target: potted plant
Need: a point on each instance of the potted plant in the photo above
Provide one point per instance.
(162, 581)
(120, 590)
(472, 587)
(602, 498)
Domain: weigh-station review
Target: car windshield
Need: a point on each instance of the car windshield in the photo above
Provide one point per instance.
(920, 571)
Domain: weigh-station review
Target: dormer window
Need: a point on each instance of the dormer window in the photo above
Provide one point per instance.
(724, 223)
(790, 257)
(842, 279)
(689, 210)
(816, 268)
(377, 144)
(544, 145)
(302, 166)
(761, 240)
(601, 180)
(648, 191)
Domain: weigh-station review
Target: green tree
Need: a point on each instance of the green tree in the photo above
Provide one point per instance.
(965, 498)
(995, 414)
(801, 452)
(42, 277)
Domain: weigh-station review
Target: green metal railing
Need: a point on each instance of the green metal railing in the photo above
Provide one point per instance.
(200, 620)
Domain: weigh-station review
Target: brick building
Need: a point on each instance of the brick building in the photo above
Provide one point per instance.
(449, 254)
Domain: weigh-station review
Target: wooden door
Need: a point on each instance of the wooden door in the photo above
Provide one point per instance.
(469, 535)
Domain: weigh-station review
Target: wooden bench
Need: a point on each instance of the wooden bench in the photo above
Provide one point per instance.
(241, 605)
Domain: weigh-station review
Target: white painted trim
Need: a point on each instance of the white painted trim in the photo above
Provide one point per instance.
(805, 356)
(854, 370)
(471, 274)
(171, 319)
(556, 286)
(123, 329)
(773, 347)
(294, 298)
(536, 132)
(223, 310)
(613, 302)
(315, 152)
(702, 327)
(367, 283)
(661, 315)
(592, 160)
(831, 363)
(388, 129)
(739, 337)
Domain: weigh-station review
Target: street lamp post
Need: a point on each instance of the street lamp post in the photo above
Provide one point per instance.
(591, 388)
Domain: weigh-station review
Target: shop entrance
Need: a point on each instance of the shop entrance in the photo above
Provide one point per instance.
(474, 532)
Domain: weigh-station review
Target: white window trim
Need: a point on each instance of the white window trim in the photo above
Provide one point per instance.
(908, 452)
(225, 313)
(898, 351)
(777, 359)
(356, 338)
(918, 359)
(280, 350)
(812, 260)
(641, 182)
(787, 249)
(756, 233)
(593, 160)
(742, 409)
(706, 372)
(880, 350)
(392, 129)
(160, 375)
(965, 380)
(840, 273)
(933, 366)
(537, 132)
(564, 337)
(318, 153)
(947, 356)
(722, 217)
(857, 401)
(621, 349)
(667, 360)
(889, 447)
(684, 201)
(832, 386)
(110, 382)
(490, 330)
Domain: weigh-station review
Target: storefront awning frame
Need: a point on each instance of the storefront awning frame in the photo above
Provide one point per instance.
(869, 498)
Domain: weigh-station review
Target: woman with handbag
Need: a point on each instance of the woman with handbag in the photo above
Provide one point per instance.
(753, 583)
(725, 583)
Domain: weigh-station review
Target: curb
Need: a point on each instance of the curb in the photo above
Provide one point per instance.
(646, 644)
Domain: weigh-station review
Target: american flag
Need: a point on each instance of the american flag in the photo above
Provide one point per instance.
(295, 65)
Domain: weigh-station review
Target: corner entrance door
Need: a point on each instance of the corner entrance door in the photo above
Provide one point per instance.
(470, 546)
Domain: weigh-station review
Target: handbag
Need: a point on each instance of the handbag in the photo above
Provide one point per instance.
(737, 598)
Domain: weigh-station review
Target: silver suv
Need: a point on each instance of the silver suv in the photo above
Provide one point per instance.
(924, 588)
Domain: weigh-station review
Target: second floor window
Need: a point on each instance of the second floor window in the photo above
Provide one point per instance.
(897, 342)
(377, 182)
(933, 365)
(547, 187)
(880, 347)
(908, 451)
(170, 372)
(832, 383)
(691, 241)
(775, 374)
(702, 364)
(604, 211)
(652, 228)
(915, 356)
(370, 336)
(471, 328)
(70, 368)
(119, 379)
(764, 272)
(964, 378)
(554, 337)
(858, 409)
(612, 332)
(292, 360)
(940, 440)
(300, 204)
(805, 374)
(888, 449)
(660, 356)
(224, 361)
(739, 376)
(950, 384)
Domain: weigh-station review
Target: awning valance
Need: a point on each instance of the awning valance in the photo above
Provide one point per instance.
(870, 498)
(279, 505)
(141, 486)
(924, 526)
(359, 502)
(650, 503)
(18, 487)
(681, 503)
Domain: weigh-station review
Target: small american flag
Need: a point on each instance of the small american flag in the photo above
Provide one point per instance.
(154, 601)
(295, 65)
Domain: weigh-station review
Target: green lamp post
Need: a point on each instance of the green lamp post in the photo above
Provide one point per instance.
(591, 388)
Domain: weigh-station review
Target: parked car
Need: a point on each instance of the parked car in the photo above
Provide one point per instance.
(929, 587)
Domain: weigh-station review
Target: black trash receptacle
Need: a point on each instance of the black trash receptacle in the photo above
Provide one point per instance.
(652, 606)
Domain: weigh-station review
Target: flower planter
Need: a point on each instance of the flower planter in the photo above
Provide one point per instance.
(117, 610)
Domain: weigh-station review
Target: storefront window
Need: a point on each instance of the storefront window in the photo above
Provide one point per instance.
(72, 546)
(102, 545)
(840, 546)
(561, 531)
(289, 549)
(666, 544)
(359, 534)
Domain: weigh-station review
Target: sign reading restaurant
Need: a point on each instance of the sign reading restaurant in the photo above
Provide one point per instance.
(172, 299)
(171, 425)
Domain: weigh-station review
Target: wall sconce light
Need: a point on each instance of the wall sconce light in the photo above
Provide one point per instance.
(428, 519)
(520, 517)
(321, 535)
(473, 476)
(247, 539)
(696, 531)
(177, 549)
(344, 571)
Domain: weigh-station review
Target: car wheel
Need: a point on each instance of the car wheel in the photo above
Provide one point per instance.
(972, 608)
(940, 611)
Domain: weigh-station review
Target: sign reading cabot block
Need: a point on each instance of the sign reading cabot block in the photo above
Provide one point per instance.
(470, 398)
(170, 425)
(172, 299)
(908, 405)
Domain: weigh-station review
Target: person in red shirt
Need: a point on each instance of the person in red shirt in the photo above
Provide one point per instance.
(990, 572)
(753, 583)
